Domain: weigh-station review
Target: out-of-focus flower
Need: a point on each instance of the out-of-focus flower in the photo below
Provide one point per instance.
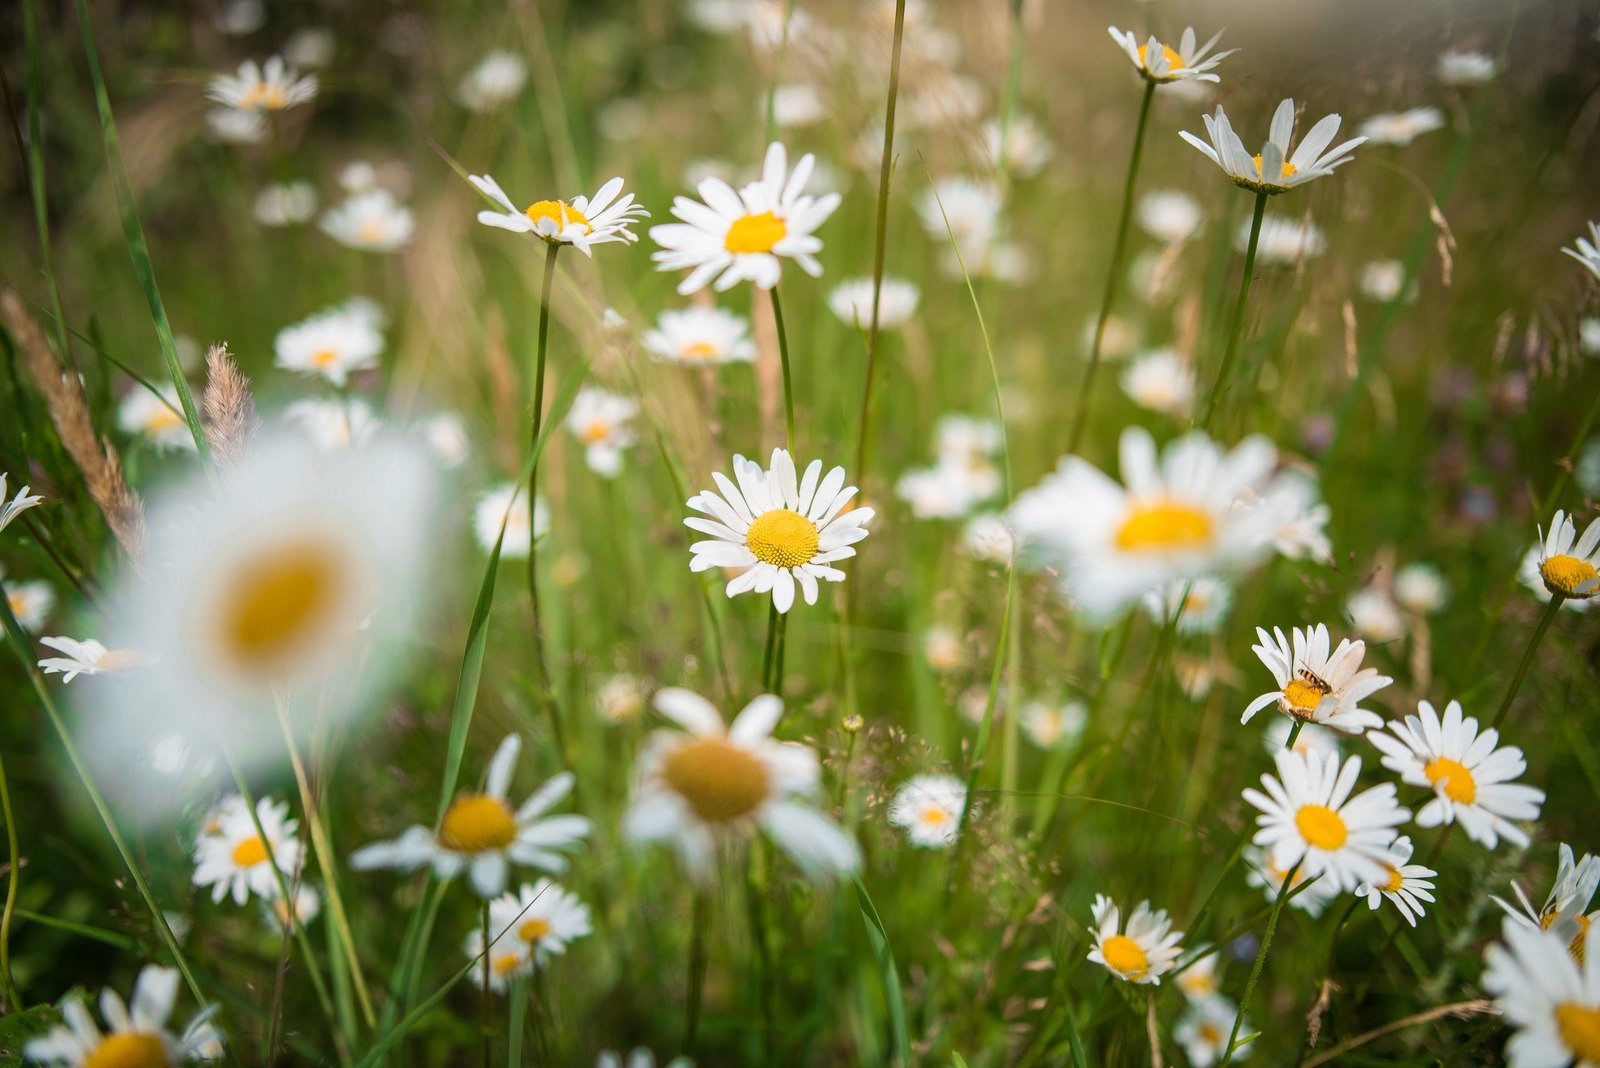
(543, 917)
(928, 808)
(286, 204)
(1408, 885)
(272, 86)
(1375, 615)
(943, 649)
(497, 78)
(156, 418)
(334, 425)
(1275, 169)
(1383, 281)
(1169, 216)
(9, 510)
(851, 301)
(138, 1033)
(236, 127)
(1160, 63)
(1549, 998)
(1311, 741)
(1266, 874)
(1022, 148)
(1283, 241)
(988, 537)
(237, 18)
(1144, 951)
(1205, 1027)
(621, 698)
(599, 420)
(1199, 604)
(1465, 68)
(507, 505)
(232, 857)
(700, 335)
(446, 435)
(1420, 588)
(796, 105)
(1565, 912)
(85, 657)
(333, 343)
(1316, 685)
(310, 48)
(373, 221)
(1587, 250)
(1402, 127)
(30, 602)
(1049, 724)
(1162, 381)
(307, 907)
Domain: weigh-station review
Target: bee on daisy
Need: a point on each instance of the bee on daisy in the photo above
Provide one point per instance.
(1160, 64)
(1565, 910)
(1275, 169)
(1143, 951)
(334, 343)
(1550, 1000)
(703, 335)
(137, 1035)
(581, 222)
(234, 859)
(929, 809)
(1316, 685)
(257, 87)
(1409, 886)
(599, 420)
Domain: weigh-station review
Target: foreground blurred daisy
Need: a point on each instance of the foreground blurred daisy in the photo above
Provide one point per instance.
(138, 1036)
(373, 220)
(1587, 250)
(1144, 951)
(231, 856)
(1315, 685)
(738, 236)
(507, 505)
(482, 833)
(85, 657)
(1200, 605)
(257, 87)
(780, 531)
(1570, 565)
(1551, 999)
(1159, 63)
(1465, 68)
(709, 785)
(1469, 775)
(1408, 885)
(851, 301)
(1204, 1028)
(332, 343)
(701, 335)
(1310, 824)
(9, 510)
(1565, 910)
(1274, 169)
(599, 420)
(581, 222)
(929, 807)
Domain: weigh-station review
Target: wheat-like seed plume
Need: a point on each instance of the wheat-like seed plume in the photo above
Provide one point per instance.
(230, 411)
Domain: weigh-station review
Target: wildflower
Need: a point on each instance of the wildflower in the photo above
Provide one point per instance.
(968, 210)
(1204, 1029)
(929, 808)
(138, 1035)
(1169, 216)
(86, 657)
(797, 105)
(1551, 1001)
(9, 510)
(1263, 872)
(1383, 281)
(1407, 885)
(496, 79)
(1162, 381)
(1587, 251)
(1160, 63)
(232, 857)
(310, 48)
(1144, 951)
(307, 907)
(581, 222)
(947, 490)
(599, 420)
(373, 220)
(446, 437)
(1197, 981)
(332, 343)
(621, 698)
(542, 917)
(30, 602)
(988, 537)
(1283, 241)
(1374, 615)
(1563, 913)
(1402, 127)
(509, 958)
(286, 203)
(1311, 741)
(334, 424)
(1021, 147)
(1420, 588)
(851, 301)
(701, 335)
(1275, 169)
(1315, 685)
(157, 417)
(484, 835)
(641, 1057)
(943, 649)
(236, 127)
(1049, 724)
(1465, 68)
(709, 784)
(1468, 772)
(507, 505)
(269, 87)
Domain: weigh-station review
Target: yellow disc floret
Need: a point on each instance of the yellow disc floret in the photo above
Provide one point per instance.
(1124, 956)
(1321, 826)
(128, 1049)
(782, 538)
(1165, 526)
(1563, 575)
(719, 780)
(1452, 778)
(477, 823)
(559, 212)
(755, 233)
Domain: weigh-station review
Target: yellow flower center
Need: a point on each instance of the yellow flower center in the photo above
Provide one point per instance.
(1288, 168)
(128, 1049)
(1564, 574)
(1210, 1034)
(721, 781)
(370, 231)
(699, 350)
(162, 418)
(264, 96)
(533, 930)
(1321, 826)
(553, 209)
(1583, 922)
(1395, 882)
(324, 358)
(595, 432)
(755, 233)
(1124, 957)
(477, 823)
(1303, 693)
(1458, 783)
(934, 814)
(782, 538)
(250, 852)
(1580, 1030)
(279, 604)
(506, 962)
(1165, 526)
(1174, 61)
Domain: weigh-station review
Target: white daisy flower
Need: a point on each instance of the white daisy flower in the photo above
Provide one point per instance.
(86, 657)
(236, 127)
(334, 424)
(1564, 913)
(497, 78)
(358, 176)
(1308, 818)
(1466, 68)
(1026, 148)
(286, 203)
(1402, 127)
(30, 602)
(1160, 63)
(156, 418)
(781, 532)
(710, 785)
(269, 87)
(1302, 530)
(1314, 684)
(621, 698)
(507, 505)
(599, 420)
(1375, 615)
(737, 236)
(543, 917)
(138, 1034)
(307, 907)
(1161, 381)
(332, 343)
(231, 857)
(1383, 281)
(446, 436)
(971, 210)
(1420, 588)
(1143, 952)
(851, 301)
(581, 222)
(1587, 250)
(929, 808)
(1283, 241)
(641, 1057)
(1275, 169)
(796, 105)
(1408, 885)
(1311, 741)
(988, 537)
(510, 958)
(948, 490)
(373, 220)
(9, 510)
(701, 335)
(482, 834)
(1198, 981)
(1204, 603)
(1551, 1000)
(1169, 216)
(1530, 573)
(1260, 871)
(1049, 724)
(1204, 1029)
(1467, 771)
(1589, 338)
(943, 649)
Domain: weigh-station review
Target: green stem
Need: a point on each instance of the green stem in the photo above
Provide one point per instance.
(13, 999)
(488, 995)
(541, 666)
(1294, 734)
(1255, 969)
(783, 356)
(772, 643)
(697, 971)
(1238, 312)
(1114, 276)
(1556, 600)
(756, 894)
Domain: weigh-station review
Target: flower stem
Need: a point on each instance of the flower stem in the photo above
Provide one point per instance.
(488, 995)
(13, 999)
(1294, 733)
(1556, 600)
(772, 642)
(1114, 275)
(756, 896)
(1261, 959)
(1238, 312)
(783, 356)
(697, 971)
(545, 683)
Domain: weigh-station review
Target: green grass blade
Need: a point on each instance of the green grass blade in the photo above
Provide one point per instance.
(891, 976)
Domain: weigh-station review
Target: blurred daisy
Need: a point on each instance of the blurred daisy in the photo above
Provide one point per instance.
(1283, 241)
(1465, 68)
(332, 343)
(1301, 531)
(1375, 616)
(1198, 980)
(928, 808)
(1315, 685)
(358, 177)
(1469, 776)
(700, 335)
(307, 907)
(989, 538)
(236, 18)
(497, 78)
(1262, 872)
(1408, 885)
(9, 510)
(334, 424)
(1570, 565)
(1311, 741)
(621, 698)
(30, 602)
(599, 420)
(737, 236)
(1021, 148)
(509, 958)
(1420, 588)
(1587, 251)
(543, 917)
(482, 834)
(1143, 952)
(507, 505)
(943, 649)
(1204, 1029)
(1551, 1001)
(286, 203)
(311, 47)
(86, 657)
(796, 105)
(966, 208)
(948, 490)
(781, 532)
(236, 127)
(1383, 281)
(1589, 342)
(373, 221)
(1169, 216)
(1402, 127)
(446, 436)
(1275, 169)
(581, 222)
(851, 301)
(1564, 913)
(231, 856)
(270, 87)
(709, 784)
(641, 1057)
(1161, 63)
(1049, 724)
(1161, 381)
(138, 1035)
(1200, 605)
(159, 419)
(1308, 818)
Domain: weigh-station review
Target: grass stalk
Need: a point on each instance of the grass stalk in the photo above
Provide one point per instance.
(1237, 328)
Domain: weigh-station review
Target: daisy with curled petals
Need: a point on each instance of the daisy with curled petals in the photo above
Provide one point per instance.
(1310, 824)
(1314, 685)
(1551, 999)
(738, 236)
(705, 336)
(1142, 952)
(482, 833)
(233, 858)
(1564, 913)
(1469, 775)
(709, 785)
(580, 222)
(781, 532)
(272, 86)
(1569, 565)
(929, 807)
(138, 1036)
(1408, 885)
(1274, 169)
(9, 510)
(1159, 63)
(86, 657)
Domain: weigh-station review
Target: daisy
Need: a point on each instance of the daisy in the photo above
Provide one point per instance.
(1588, 250)
(543, 917)
(1159, 63)
(641, 1057)
(599, 420)
(851, 301)
(1383, 281)
(1402, 127)
(1200, 605)
(373, 221)
(1204, 1029)
(1589, 336)
(1275, 169)
(446, 436)
(943, 649)
(1563, 913)
(307, 907)
(1049, 724)
(335, 424)
(1420, 588)
(735, 236)
(483, 834)
(1144, 951)
(236, 127)
(621, 698)
(497, 78)
(332, 343)
(781, 532)
(1198, 981)
(312, 47)
(970, 210)
(709, 785)
(1022, 148)
(1551, 1000)
(1375, 616)
(286, 204)
(1530, 573)
(989, 538)
(1162, 381)
(510, 959)
(1315, 685)
(1283, 242)
(138, 1035)
(929, 808)
(271, 87)
(1408, 885)
(581, 222)
(1262, 872)
(507, 506)
(1465, 68)
(700, 335)
(1169, 216)
(232, 858)
(30, 602)
(156, 418)
(1469, 775)
(1308, 819)
(1311, 741)
(1301, 532)
(948, 490)
(796, 105)
(86, 657)
(9, 510)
